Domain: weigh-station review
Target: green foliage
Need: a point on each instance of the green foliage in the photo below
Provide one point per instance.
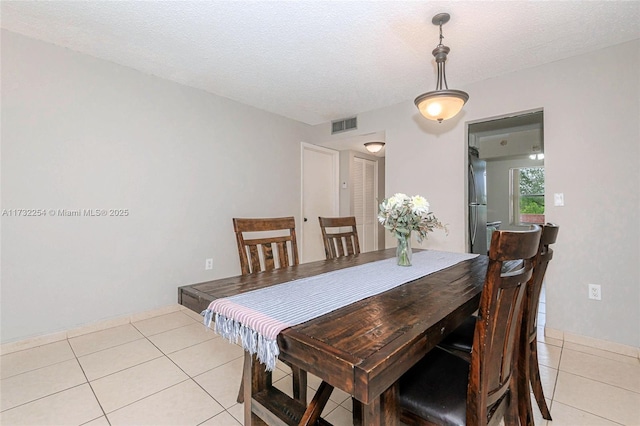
(532, 181)
(532, 205)
(532, 190)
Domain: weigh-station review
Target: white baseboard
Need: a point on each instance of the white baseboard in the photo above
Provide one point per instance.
(32, 342)
(604, 345)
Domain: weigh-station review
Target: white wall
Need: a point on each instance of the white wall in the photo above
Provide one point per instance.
(592, 155)
(78, 132)
(83, 133)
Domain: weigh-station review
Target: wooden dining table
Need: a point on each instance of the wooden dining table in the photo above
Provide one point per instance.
(362, 348)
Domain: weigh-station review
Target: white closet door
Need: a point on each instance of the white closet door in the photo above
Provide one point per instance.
(320, 197)
(365, 206)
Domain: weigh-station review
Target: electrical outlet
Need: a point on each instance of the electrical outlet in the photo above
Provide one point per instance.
(208, 264)
(595, 292)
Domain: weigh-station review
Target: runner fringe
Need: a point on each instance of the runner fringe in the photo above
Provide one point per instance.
(253, 342)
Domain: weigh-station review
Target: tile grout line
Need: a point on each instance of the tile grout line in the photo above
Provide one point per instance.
(224, 409)
(106, 349)
(553, 399)
(591, 378)
(89, 383)
(43, 397)
(162, 354)
(75, 357)
(39, 368)
(555, 384)
(150, 395)
(163, 331)
(600, 382)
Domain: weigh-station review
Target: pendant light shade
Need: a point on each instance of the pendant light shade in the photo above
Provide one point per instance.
(442, 103)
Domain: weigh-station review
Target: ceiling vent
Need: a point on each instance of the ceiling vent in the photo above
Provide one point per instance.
(344, 124)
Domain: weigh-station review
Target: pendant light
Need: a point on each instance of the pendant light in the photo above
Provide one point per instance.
(442, 103)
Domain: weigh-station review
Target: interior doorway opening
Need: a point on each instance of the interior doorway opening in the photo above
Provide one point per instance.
(505, 175)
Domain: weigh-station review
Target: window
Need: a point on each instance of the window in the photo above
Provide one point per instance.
(527, 195)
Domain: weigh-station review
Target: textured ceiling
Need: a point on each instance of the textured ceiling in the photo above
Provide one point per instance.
(315, 61)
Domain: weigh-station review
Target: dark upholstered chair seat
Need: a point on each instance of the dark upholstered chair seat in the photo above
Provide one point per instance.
(461, 339)
(445, 378)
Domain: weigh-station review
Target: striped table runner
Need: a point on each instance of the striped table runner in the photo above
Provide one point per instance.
(256, 318)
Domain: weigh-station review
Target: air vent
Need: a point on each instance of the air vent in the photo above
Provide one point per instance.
(344, 124)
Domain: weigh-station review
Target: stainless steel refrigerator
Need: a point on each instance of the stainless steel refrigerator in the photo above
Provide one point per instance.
(477, 175)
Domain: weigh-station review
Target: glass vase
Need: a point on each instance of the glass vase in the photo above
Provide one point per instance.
(403, 251)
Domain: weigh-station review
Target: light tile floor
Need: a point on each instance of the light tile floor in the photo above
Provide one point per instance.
(171, 370)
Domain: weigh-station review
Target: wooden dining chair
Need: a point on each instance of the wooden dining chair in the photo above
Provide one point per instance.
(528, 367)
(459, 342)
(278, 249)
(266, 253)
(445, 389)
(338, 242)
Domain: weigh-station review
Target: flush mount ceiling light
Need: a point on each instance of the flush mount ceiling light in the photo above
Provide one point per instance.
(374, 146)
(441, 104)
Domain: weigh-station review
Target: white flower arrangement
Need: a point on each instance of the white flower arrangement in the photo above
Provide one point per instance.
(402, 214)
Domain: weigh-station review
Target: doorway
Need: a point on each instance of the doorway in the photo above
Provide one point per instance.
(505, 175)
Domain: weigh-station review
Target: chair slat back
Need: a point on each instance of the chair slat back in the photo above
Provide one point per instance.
(339, 242)
(499, 320)
(269, 252)
(549, 236)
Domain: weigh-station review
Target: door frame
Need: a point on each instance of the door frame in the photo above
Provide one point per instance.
(468, 137)
(335, 185)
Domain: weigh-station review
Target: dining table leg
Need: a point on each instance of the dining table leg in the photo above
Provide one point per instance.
(390, 408)
(256, 379)
(381, 411)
